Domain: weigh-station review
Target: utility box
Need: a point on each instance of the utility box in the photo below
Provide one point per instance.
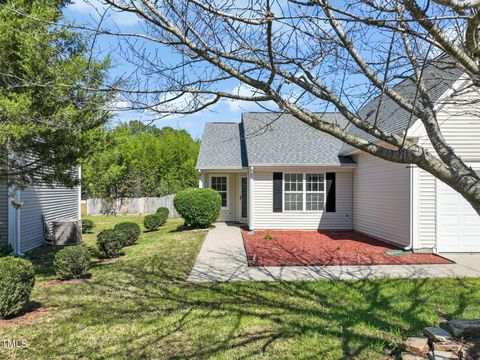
(67, 232)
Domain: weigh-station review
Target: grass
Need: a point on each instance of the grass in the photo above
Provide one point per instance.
(140, 307)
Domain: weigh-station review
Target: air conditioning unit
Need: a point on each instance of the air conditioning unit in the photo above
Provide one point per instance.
(66, 231)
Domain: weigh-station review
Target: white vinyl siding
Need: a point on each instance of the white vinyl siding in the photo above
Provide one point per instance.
(381, 201)
(426, 210)
(460, 126)
(54, 203)
(229, 214)
(265, 218)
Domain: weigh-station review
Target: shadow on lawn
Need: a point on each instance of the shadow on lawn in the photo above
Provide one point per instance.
(167, 317)
(364, 316)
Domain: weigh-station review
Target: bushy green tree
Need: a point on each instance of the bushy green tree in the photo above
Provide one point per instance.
(49, 115)
(139, 160)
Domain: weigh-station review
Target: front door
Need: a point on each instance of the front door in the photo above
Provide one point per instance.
(244, 197)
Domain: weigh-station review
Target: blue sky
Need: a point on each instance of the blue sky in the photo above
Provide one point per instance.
(82, 12)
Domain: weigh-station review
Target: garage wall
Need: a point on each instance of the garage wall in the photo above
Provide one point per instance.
(460, 124)
(381, 199)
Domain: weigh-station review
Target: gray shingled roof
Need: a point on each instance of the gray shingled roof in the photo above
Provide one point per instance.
(264, 139)
(438, 79)
(281, 139)
(221, 147)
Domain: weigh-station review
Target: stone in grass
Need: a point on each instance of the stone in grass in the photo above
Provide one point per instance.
(444, 355)
(410, 356)
(417, 345)
(437, 334)
(448, 346)
(462, 327)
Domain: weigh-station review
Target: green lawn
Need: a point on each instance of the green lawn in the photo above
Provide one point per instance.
(139, 306)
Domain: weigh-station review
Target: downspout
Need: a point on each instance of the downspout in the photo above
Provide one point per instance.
(79, 193)
(411, 207)
(17, 214)
(16, 204)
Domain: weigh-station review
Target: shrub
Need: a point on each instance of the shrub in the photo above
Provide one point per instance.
(199, 207)
(110, 243)
(153, 222)
(16, 283)
(72, 262)
(6, 250)
(131, 232)
(87, 226)
(267, 236)
(163, 212)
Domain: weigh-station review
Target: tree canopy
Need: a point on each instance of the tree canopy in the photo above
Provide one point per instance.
(136, 160)
(49, 115)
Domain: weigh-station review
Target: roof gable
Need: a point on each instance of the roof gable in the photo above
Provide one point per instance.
(222, 147)
(391, 117)
(276, 139)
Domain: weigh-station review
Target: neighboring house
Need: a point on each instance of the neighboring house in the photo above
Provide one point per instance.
(275, 172)
(23, 228)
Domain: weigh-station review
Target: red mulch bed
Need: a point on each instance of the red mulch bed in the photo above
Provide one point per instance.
(290, 248)
(31, 314)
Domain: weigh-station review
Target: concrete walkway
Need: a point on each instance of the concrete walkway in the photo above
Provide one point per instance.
(222, 258)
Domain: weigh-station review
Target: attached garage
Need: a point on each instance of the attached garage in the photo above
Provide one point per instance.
(458, 224)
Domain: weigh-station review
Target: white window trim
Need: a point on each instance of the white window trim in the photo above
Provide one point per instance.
(304, 192)
(293, 192)
(228, 187)
(324, 192)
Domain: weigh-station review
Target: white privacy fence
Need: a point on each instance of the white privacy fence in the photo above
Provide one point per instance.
(131, 206)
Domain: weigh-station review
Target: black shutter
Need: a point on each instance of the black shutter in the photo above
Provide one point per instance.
(331, 197)
(277, 191)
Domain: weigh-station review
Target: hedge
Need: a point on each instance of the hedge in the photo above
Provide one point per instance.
(153, 222)
(72, 262)
(163, 212)
(130, 230)
(199, 207)
(110, 243)
(17, 279)
(87, 226)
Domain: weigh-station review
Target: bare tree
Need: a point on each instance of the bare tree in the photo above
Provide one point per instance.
(309, 56)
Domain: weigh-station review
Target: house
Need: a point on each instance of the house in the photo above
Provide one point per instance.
(23, 227)
(275, 172)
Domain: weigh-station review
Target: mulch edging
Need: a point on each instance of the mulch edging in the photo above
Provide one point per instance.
(56, 282)
(326, 248)
(29, 315)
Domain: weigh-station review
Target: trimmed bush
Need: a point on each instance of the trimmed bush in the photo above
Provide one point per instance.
(199, 207)
(110, 243)
(17, 279)
(153, 222)
(163, 212)
(130, 230)
(72, 262)
(87, 226)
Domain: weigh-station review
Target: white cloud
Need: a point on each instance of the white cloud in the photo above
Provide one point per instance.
(240, 105)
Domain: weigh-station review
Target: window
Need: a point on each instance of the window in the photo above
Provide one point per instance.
(315, 192)
(293, 191)
(304, 192)
(220, 184)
